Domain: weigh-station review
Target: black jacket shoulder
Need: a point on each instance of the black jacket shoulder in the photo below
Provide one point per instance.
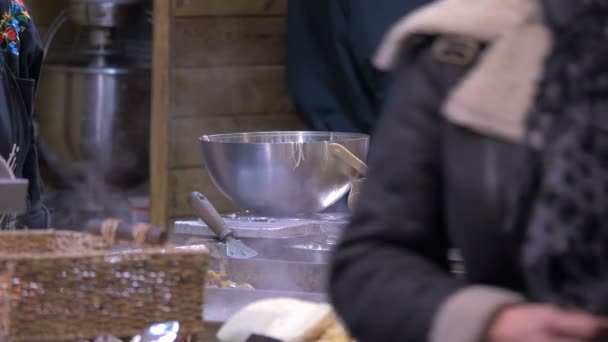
(397, 244)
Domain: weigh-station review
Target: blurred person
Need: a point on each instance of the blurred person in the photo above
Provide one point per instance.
(493, 141)
(21, 59)
(330, 77)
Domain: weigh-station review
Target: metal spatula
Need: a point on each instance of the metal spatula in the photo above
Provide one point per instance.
(207, 212)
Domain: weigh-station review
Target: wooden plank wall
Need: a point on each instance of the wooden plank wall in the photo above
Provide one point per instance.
(44, 11)
(219, 68)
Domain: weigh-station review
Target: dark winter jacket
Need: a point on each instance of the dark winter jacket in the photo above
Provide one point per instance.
(440, 175)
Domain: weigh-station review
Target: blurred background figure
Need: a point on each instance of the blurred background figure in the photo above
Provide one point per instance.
(330, 44)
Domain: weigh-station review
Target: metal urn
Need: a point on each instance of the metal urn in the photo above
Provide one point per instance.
(93, 102)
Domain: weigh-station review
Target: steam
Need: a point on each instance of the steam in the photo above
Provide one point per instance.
(86, 199)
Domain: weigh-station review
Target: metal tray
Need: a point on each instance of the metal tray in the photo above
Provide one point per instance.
(13, 193)
(262, 229)
(301, 249)
(270, 278)
(221, 304)
(287, 242)
(275, 275)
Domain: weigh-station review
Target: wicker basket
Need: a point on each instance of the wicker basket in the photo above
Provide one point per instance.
(59, 286)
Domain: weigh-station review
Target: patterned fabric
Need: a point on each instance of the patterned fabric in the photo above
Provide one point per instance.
(13, 23)
(562, 207)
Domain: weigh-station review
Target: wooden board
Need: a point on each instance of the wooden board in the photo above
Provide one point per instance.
(44, 11)
(184, 181)
(64, 38)
(184, 146)
(230, 90)
(228, 7)
(218, 68)
(185, 132)
(269, 122)
(227, 41)
(161, 94)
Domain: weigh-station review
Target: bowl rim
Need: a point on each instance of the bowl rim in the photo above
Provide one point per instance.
(223, 137)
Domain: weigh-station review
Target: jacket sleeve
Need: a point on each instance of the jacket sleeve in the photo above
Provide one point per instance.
(390, 279)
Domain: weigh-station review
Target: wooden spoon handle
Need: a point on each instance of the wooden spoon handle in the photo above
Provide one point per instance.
(207, 212)
(126, 232)
(348, 157)
(355, 190)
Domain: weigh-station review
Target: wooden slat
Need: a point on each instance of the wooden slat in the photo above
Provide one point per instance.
(184, 181)
(44, 11)
(190, 8)
(269, 122)
(227, 41)
(184, 132)
(62, 42)
(64, 37)
(161, 94)
(230, 90)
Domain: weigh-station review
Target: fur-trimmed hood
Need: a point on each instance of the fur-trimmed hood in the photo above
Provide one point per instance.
(495, 97)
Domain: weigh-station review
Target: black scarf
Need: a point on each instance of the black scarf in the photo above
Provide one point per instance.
(560, 218)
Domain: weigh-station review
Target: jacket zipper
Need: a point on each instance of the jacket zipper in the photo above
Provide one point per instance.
(491, 174)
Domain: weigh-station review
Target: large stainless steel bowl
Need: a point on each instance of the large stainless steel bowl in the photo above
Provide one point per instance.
(280, 173)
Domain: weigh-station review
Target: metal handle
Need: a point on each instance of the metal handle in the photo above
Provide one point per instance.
(207, 212)
(348, 157)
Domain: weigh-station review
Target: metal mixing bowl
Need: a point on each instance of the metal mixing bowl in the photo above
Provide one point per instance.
(280, 173)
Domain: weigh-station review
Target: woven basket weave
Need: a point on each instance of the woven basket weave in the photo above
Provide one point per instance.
(59, 286)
